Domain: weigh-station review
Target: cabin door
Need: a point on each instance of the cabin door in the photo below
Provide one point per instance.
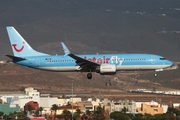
(37, 62)
(152, 60)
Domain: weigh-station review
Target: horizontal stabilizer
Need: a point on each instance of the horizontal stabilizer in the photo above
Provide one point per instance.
(15, 58)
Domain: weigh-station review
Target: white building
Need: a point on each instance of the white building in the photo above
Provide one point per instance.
(119, 106)
(176, 105)
(47, 103)
(30, 95)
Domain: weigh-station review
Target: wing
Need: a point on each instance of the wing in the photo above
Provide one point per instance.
(84, 64)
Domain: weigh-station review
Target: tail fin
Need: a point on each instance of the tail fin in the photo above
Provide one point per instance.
(19, 46)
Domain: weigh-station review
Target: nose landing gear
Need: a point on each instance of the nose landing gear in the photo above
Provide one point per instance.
(155, 74)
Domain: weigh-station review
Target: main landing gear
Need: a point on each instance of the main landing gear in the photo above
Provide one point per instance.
(89, 75)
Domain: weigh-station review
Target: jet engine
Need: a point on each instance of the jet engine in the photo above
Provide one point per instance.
(107, 69)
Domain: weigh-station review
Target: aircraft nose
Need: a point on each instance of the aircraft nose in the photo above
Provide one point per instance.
(170, 63)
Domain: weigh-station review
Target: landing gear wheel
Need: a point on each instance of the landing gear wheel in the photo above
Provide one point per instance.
(89, 75)
(155, 75)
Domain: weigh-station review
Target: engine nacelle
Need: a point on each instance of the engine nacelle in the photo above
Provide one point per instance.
(107, 69)
(158, 70)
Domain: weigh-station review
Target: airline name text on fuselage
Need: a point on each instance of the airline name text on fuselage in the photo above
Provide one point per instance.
(105, 60)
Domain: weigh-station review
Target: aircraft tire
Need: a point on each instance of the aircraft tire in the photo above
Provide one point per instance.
(155, 75)
(89, 75)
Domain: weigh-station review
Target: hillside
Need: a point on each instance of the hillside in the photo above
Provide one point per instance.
(13, 77)
(111, 26)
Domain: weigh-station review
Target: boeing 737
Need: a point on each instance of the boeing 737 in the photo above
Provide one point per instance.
(104, 64)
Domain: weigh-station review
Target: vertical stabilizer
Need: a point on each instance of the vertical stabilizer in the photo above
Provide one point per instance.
(19, 45)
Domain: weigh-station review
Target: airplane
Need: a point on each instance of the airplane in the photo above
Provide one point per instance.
(104, 64)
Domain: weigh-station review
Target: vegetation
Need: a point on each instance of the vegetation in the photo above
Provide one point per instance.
(21, 88)
(14, 115)
(1, 113)
(77, 114)
(67, 114)
(54, 108)
(172, 114)
(99, 114)
(119, 115)
(38, 112)
(28, 107)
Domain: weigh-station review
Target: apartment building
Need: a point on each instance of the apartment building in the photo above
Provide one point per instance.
(151, 108)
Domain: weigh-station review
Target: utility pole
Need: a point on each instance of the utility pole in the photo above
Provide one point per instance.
(72, 99)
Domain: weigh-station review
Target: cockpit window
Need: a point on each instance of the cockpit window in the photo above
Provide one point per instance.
(162, 58)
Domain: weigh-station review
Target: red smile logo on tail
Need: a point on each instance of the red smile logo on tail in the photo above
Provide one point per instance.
(16, 49)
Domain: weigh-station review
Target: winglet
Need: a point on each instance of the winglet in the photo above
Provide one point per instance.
(66, 50)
